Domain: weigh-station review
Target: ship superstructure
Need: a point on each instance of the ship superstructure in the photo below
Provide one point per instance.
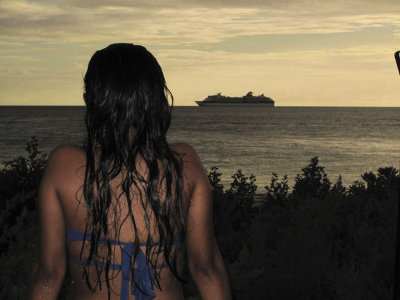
(248, 100)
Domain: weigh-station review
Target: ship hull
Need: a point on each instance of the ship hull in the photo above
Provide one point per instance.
(202, 103)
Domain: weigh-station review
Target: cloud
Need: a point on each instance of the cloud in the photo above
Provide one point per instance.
(19, 58)
(302, 5)
(239, 44)
(182, 22)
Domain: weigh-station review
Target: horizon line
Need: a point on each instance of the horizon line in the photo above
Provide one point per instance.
(327, 106)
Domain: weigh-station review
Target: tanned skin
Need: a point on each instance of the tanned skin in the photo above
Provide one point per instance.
(59, 194)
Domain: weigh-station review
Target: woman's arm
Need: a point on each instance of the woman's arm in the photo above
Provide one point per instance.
(49, 270)
(204, 259)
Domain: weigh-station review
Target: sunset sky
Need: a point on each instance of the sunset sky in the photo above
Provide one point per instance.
(307, 52)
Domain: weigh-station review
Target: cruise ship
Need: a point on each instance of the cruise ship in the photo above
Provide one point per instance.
(248, 100)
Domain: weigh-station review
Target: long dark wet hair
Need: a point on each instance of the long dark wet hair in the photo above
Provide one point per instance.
(127, 118)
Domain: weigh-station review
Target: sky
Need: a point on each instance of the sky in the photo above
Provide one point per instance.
(298, 52)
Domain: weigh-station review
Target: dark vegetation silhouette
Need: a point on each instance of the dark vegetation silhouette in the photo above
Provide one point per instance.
(315, 240)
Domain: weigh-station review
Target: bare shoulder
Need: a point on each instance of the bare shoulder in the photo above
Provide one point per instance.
(182, 148)
(66, 154)
(192, 167)
(64, 159)
(186, 152)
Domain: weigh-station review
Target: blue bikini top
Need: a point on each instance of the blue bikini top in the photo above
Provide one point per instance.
(144, 276)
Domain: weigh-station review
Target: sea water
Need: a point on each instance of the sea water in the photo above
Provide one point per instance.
(258, 140)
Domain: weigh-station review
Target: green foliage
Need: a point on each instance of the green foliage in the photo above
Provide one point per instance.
(18, 220)
(321, 241)
(317, 240)
(19, 183)
(215, 180)
(313, 182)
(16, 260)
(241, 195)
(277, 191)
(22, 173)
(243, 187)
(232, 211)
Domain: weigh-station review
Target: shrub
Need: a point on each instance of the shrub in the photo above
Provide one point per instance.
(19, 181)
(316, 241)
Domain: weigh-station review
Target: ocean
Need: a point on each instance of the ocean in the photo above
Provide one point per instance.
(347, 140)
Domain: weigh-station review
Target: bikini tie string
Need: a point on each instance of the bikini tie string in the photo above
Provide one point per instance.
(144, 276)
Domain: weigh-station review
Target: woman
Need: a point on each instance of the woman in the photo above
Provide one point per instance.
(128, 210)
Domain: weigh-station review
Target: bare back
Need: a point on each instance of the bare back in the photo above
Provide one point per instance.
(69, 179)
(60, 208)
